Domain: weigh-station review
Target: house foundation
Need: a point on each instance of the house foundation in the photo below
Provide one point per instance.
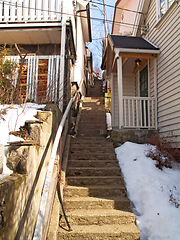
(132, 135)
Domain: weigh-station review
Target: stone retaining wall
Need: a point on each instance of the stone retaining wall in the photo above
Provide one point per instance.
(20, 193)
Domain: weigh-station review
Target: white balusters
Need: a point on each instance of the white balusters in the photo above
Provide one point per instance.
(6, 11)
(39, 10)
(52, 9)
(30, 10)
(19, 10)
(45, 10)
(138, 112)
(13, 10)
(1, 11)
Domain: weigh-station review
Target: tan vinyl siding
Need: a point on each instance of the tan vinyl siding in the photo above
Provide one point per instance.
(128, 90)
(166, 35)
(128, 84)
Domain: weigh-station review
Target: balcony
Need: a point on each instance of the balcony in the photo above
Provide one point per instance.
(18, 11)
(30, 21)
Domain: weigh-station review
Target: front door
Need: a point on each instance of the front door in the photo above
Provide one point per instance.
(144, 93)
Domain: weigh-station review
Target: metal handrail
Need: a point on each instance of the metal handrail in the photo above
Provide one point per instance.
(41, 214)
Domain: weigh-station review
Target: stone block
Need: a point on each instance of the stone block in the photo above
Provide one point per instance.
(137, 136)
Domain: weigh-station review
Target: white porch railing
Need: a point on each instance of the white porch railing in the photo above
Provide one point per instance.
(32, 63)
(139, 112)
(30, 10)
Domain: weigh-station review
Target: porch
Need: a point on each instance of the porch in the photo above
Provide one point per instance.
(30, 21)
(131, 72)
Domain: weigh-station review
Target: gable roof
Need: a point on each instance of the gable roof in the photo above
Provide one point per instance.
(131, 44)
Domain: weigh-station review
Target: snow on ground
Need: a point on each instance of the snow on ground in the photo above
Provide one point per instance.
(15, 117)
(155, 194)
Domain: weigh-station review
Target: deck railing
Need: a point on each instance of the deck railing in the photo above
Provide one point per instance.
(33, 77)
(30, 10)
(139, 112)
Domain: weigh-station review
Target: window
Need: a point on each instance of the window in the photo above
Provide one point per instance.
(163, 6)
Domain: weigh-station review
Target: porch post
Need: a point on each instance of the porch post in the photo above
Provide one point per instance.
(112, 98)
(62, 65)
(155, 91)
(120, 90)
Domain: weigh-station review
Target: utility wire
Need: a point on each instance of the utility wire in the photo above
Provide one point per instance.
(69, 14)
(111, 6)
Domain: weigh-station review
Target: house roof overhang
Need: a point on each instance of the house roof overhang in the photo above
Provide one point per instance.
(128, 47)
(129, 44)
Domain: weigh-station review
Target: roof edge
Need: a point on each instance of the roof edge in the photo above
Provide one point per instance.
(136, 50)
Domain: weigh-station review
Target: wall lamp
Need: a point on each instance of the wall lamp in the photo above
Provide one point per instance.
(138, 62)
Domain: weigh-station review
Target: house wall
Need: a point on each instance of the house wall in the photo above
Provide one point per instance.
(125, 17)
(79, 71)
(128, 90)
(165, 34)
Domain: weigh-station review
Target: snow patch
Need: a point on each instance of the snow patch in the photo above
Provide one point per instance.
(155, 194)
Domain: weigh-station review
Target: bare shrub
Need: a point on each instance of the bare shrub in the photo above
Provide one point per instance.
(163, 154)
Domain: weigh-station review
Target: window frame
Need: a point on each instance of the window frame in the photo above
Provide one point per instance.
(167, 5)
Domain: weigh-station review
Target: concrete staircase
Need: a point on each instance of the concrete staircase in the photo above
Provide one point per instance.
(95, 196)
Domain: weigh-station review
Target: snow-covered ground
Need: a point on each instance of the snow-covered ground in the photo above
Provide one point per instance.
(15, 117)
(155, 194)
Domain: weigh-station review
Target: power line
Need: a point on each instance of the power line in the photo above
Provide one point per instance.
(69, 14)
(111, 6)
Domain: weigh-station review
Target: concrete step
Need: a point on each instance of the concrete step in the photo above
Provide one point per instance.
(88, 140)
(93, 163)
(93, 171)
(99, 217)
(93, 156)
(93, 100)
(100, 232)
(92, 132)
(91, 125)
(95, 191)
(91, 144)
(91, 149)
(121, 203)
(94, 180)
(93, 108)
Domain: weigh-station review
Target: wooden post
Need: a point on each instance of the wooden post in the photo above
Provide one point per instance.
(155, 91)
(112, 99)
(120, 91)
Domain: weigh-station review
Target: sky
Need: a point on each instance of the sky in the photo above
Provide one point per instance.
(98, 31)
